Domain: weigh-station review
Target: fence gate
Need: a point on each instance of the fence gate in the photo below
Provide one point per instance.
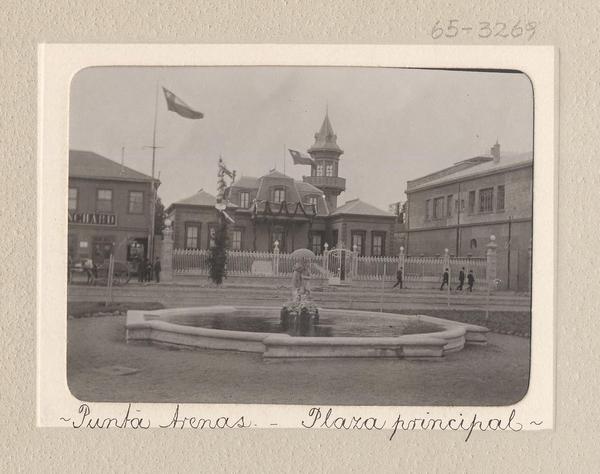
(341, 265)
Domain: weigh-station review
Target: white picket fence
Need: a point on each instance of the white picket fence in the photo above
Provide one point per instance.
(243, 263)
(359, 268)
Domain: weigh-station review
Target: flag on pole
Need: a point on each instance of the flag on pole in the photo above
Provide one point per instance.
(175, 104)
(301, 159)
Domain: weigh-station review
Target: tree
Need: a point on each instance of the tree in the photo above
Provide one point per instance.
(217, 258)
(159, 217)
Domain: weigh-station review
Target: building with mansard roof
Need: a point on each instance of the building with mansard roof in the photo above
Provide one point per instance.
(296, 214)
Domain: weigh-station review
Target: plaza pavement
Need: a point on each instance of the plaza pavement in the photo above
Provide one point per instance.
(495, 374)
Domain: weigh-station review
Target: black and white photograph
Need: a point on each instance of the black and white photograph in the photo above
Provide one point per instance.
(300, 235)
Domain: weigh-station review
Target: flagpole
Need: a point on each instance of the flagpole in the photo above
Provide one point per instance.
(153, 201)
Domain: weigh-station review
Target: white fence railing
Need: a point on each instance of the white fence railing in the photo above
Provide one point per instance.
(244, 263)
(415, 268)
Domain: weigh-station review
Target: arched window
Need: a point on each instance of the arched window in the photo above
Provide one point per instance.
(473, 244)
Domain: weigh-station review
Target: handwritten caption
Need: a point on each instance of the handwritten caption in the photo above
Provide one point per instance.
(315, 418)
(484, 29)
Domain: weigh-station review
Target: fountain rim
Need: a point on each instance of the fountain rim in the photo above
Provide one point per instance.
(149, 326)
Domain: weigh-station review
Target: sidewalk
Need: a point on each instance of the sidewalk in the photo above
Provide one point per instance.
(173, 295)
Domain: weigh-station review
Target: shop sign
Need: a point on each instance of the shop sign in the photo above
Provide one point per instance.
(92, 218)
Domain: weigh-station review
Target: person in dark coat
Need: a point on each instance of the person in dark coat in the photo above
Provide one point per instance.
(141, 269)
(148, 275)
(398, 278)
(461, 279)
(471, 280)
(445, 279)
(157, 270)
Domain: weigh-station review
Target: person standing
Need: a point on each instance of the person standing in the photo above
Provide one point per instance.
(471, 280)
(148, 270)
(461, 279)
(157, 270)
(445, 279)
(398, 278)
(141, 268)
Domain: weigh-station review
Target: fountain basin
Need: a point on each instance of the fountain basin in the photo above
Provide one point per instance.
(334, 336)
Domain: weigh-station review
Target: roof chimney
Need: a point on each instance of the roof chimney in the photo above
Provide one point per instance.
(495, 152)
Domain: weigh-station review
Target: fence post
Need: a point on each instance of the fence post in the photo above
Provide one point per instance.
(166, 254)
(355, 261)
(326, 258)
(276, 258)
(447, 267)
(401, 260)
(490, 271)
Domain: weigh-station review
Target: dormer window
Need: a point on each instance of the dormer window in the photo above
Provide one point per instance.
(313, 202)
(244, 200)
(278, 195)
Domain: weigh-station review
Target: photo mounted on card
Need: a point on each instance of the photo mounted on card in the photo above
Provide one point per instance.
(297, 236)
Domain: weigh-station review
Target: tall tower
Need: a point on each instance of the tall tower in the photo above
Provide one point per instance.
(326, 157)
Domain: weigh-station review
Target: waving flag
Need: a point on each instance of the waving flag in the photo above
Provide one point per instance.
(175, 104)
(300, 159)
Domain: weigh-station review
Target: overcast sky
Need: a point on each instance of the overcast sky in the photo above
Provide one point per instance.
(393, 124)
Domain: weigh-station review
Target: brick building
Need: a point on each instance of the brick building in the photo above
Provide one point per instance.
(296, 214)
(459, 207)
(109, 209)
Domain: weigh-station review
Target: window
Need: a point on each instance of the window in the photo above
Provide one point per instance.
(449, 205)
(278, 236)
(236, 239)
(319, 170)
(427, 209)
(358, 240)
(316, 243)
(245, 200)
(136, 202)
(377, 244)
(438, 208)
(500, 198)
(104, 200)
(73, 192)
(486, 198)
(471, 202)
(212, 235)
(192, 231)
(473, 244)
(313, 201)
(278, 195)
(329, 170)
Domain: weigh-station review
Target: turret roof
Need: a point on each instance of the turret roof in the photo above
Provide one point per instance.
(325, 138)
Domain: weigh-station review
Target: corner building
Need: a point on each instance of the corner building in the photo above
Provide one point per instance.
(461, 206)
(109, 209)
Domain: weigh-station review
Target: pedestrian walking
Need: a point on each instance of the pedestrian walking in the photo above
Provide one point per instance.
(470, 280)
(88, 266)
(157, 270)
(461, 279)
(445, 279)
(398, 278)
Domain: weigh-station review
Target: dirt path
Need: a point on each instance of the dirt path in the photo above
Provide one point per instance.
(496, 374)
